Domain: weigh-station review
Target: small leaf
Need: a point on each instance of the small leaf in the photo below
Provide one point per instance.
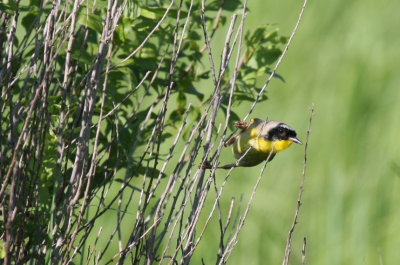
(81, 55)
(147, 53)
(8, 6)
(150, 13)
(175, 117)
(126, 63)
(181, 101)
(49, 162)
(2, 249)
(193, 35)
(92, 21)
(28, 19)
(92, 4)
(267, 56)
(192, 90)
(230, 5)
(244, 98)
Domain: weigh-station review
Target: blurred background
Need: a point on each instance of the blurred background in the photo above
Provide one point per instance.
(345, 60)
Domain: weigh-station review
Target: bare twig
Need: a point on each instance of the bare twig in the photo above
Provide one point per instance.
(301, 189)
(303, 251)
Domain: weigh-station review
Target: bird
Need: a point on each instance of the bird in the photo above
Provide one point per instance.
(258, 141)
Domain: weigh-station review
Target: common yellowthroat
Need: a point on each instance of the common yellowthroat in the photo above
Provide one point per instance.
(258, 141)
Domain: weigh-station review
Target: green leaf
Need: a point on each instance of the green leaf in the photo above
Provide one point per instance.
(185, 85)
(181, 101)
(8, 7)
(148, 13)
(100, 4)
(156, 13)
(244, 98)
(28, 19)
(2, 249)
(48, 169)
(193, 35)
(192, 90)
(175, 117)
(81, 55)
(129, 62)
(147, 53)
(92, 21)
(35, 3)
(230, 5)
(267, 56)
(120, 35)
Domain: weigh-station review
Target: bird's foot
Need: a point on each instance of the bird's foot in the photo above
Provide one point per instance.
(241, 125)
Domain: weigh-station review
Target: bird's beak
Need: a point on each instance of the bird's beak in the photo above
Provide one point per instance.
(295, 140)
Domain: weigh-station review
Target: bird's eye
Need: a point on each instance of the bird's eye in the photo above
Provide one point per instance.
(281, 131)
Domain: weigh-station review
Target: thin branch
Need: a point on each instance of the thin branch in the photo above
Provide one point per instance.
(303, 251)
(299, 198)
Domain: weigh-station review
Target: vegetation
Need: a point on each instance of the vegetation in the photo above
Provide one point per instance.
(101, 116)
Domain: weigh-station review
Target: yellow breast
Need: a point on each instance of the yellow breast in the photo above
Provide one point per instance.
(263, 145)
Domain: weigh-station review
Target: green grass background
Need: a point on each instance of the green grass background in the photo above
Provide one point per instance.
(345, 59)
